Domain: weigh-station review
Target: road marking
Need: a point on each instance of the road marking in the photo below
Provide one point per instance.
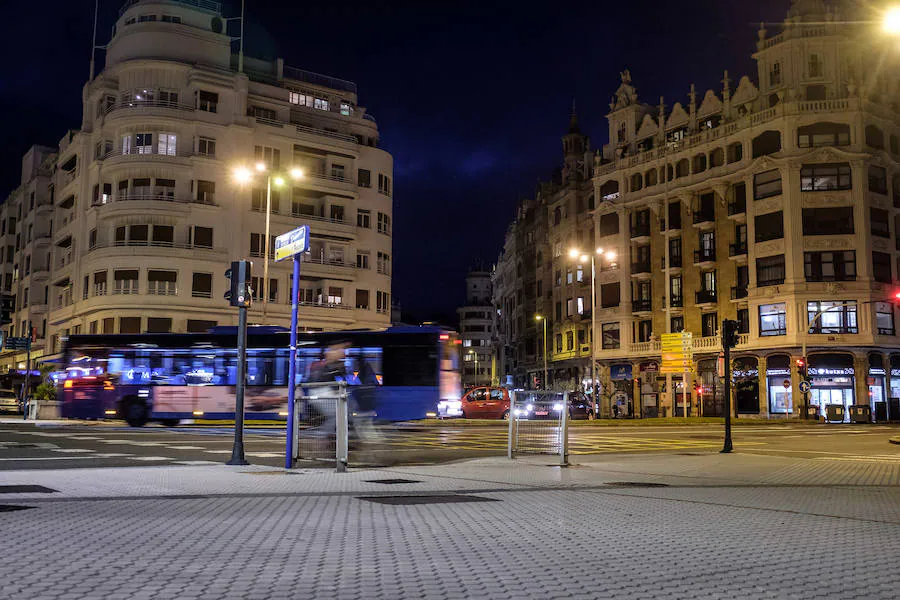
(73, 450)
(264, 454)
(185, 447)
(192, 463)
(27, 445)
(84, 437)
(149, 458)
(217, 451)
(49, 458)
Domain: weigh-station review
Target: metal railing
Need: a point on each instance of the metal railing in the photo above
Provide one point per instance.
(215, 7)
(642, 305)
(149, 104)
(640, 230)
(706, 296)
(737, 206)
(738, 292)
(539, 424)
(162, 288)
(640, 267)
(321, 424)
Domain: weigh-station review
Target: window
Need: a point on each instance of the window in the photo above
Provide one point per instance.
(834, 316)
(337, 171)
(207, 101)
(767, 184)
(839, 265)
(609, 224)
(874, 137)
(674, 215)
(676, 290)
(362, 260)
(200, 237)
(201, 286)
(558, 338)
(775, 75)
(772, 319)
(163, 235)
(677, 324)
(126, 282)
(881, 267)
(363, 218)
(295, 97)
(569, 275)
(166, 144)
(263, 113)
(819, 178)
(257, 244)
(814, 68)
(206, 192)
(170, 19)
(828, 221)
(877, 180)
(161, 283)
(383, 263)
(770, 270)
(384, 184)
(320, 103)
(384, 223)
(346, 109)
(270, 156)
(884, 318)
(206, 146)
(609, 295)
(769, 226)
(710, 324)
(823, 134)
(768, 142)
(382, 302)
(364, 178)
(362, 299)
(337, 213)
(200, 326)
(610, 336)
(143, 144)
(129, 324)
(570, 341)
(675, 252)
(879, 221)
(735, 152)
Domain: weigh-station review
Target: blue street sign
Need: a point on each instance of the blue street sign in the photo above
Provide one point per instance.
(620, 372)
(804, 387)
(292, 242)
(16, 343)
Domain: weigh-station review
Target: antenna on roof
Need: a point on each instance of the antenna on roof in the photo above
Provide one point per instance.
(241, 44)
(94, 39)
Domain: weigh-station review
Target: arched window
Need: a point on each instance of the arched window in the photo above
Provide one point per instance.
(637, 182)
(699, 163)
(823, 134)
(609, 190)
(768, 142)
(651, 178)
(557, 216)
(682, 168)
(716, 158)
(874, 137)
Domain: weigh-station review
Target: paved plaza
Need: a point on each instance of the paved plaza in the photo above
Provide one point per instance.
(679, 525)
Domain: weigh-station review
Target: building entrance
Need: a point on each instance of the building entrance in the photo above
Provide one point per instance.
(832, 390)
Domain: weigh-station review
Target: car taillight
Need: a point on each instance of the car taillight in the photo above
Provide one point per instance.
(107, 385)
(67, 384)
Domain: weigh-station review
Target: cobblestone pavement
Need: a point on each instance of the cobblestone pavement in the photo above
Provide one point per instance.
(736, 526)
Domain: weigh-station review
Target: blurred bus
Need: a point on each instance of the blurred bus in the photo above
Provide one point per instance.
(170, 377)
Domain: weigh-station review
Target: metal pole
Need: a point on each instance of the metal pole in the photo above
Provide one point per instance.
(564, 431)
(513, 425)
(241, 45)
(342, 433)
(237, 451)
(727, 447)
(594, 395)
(28, 373)
(684, 394)
(546, 383)
(265, 283)
(292, 367)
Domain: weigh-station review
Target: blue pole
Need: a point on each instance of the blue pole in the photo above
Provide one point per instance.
(292, 368)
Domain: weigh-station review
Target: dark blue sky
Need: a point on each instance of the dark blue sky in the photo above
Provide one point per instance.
(471, 97)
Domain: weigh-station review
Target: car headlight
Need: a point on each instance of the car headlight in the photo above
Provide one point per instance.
(557, 407)
(529, 407)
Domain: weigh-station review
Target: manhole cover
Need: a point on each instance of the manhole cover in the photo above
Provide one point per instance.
(26, 489)
(13, 507)
(391, 481)
(637, 484)
(410, 500)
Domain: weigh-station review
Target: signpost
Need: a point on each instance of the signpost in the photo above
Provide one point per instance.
(21, 343)
(292, 245)
(678, 357)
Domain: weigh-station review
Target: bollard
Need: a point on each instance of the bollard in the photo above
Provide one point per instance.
(342, 432)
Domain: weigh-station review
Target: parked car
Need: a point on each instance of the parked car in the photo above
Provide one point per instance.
(478, 403)
(9, 401)
(580, 407)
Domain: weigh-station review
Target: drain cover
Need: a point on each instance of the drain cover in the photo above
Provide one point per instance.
(391, 481)
(26, 489)
(13, 507)
(637, 484)
(438, 499)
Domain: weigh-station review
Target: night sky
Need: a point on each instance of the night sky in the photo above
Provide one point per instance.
(471, 98)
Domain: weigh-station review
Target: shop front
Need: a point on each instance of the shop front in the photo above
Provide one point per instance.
(833, 378)
(622, 393)
(877, 384)
(650, 385)
(892, 412)
(745, 375)
(778, 385)
(710, 391)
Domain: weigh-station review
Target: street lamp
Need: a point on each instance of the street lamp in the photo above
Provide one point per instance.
(474, 355)
(891, 21)
(243, 176)
(582, 257)
(544, 321)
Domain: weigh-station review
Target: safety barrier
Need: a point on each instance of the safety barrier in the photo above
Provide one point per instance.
(321, 424)
(539, 424)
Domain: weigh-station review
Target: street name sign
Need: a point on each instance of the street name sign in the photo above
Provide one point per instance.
(292, 242)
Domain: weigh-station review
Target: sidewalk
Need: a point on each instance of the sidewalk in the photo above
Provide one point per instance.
(711, 526)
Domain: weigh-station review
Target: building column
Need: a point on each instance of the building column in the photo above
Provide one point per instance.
(886, 363)
(763, 387)
(861, 372)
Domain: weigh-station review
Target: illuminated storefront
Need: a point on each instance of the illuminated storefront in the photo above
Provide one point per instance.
(832, 377)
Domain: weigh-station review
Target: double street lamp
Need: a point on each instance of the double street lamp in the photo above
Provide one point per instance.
(582, 258)
(244, 176)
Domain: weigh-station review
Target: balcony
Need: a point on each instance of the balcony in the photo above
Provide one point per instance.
(739, 249)
(640, 267)
(737, 206)
(640, 230)
(149, 107)
(125, 287)
(642, 305)
(677, 302)
(738, 292)
(161, 288)
(706, 297)
(704, 255)
(703, 217)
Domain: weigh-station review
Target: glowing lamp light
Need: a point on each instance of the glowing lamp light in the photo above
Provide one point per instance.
(584, 258)
(243, 175)
(260, 166)
(573, 253)
(297, 173)
(278, 181)
(599, 250)
(611, 255)
(891, 22)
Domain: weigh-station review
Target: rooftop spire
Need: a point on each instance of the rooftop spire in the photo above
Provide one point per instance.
(573, 120)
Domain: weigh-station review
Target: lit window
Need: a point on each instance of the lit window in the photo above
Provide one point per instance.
(346, 109)
(167, 144)
(320, 103)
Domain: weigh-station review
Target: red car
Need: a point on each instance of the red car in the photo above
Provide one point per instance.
(485, 403)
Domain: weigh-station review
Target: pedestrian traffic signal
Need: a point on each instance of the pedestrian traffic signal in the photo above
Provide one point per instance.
(729, 333)
(7, 306)
(239, 292)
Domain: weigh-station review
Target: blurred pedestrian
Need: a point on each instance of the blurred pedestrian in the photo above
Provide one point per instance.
(323, 398)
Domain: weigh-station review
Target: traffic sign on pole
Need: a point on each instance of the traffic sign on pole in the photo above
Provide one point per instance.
(804, 386)
(291, 243)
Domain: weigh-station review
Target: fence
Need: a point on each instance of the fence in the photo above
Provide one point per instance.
(539, 424)
(321, 431)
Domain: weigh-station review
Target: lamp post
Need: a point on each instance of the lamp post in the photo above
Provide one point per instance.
(244, 175)
(582, 259)
(544, 321)
(474, 355)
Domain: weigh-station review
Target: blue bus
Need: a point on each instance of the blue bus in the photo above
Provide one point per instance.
(172, 377)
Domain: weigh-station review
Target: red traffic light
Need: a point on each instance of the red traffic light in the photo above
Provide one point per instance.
(801, 362)
(897, 296)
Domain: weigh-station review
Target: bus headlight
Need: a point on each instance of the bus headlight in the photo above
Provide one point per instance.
(557, 407)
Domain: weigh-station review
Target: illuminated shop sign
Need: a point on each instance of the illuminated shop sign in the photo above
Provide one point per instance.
(826, 372)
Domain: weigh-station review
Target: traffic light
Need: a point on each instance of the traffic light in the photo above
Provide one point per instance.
(239, 291)
(729, 333)
(801, 368)
(7, 306)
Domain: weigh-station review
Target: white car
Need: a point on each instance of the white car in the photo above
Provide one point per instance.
(9, 401)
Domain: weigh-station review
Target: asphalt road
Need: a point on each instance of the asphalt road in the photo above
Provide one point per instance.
(82, 444)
